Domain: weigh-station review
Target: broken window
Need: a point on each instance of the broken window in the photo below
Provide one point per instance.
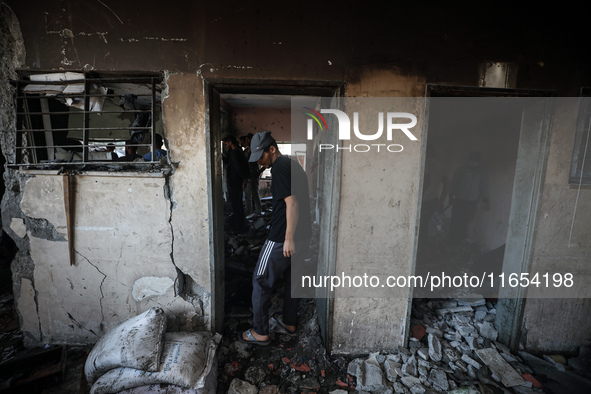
(72, 118)
(580, 171)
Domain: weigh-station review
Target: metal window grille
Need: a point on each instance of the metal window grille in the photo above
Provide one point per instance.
(70, 118)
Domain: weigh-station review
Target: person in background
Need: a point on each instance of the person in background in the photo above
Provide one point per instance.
(159, 153)
(237, 169)
(469, 185)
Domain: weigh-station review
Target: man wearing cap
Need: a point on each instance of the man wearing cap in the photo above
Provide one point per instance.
(286, 242)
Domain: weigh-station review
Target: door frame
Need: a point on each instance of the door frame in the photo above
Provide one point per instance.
(532, 157)
(213, 88)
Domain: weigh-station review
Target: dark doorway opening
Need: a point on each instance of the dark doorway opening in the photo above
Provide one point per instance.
(509, 131)
(242, 107)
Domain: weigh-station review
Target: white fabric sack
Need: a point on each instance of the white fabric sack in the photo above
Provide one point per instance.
(136, 343)
(186, 361)
(211, 385)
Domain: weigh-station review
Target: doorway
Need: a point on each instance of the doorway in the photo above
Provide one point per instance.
(508, 128)
(242, 107)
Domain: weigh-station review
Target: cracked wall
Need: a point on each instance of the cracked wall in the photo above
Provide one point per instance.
(123, 259)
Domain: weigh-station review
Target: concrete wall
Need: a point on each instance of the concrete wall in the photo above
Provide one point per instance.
(253, 120)
(377, 224)
(562, 244)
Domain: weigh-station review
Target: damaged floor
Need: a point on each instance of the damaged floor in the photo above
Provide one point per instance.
(452, 348)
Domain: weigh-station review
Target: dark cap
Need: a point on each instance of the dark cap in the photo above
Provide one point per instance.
(259, 142)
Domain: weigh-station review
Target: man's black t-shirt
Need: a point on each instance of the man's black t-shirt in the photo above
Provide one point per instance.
(289, 178)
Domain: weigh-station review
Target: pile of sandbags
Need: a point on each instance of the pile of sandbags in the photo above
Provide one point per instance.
(139, 356)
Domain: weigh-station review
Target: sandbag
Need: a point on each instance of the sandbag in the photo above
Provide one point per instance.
(211, 385)
(186, 361)
(136, 343)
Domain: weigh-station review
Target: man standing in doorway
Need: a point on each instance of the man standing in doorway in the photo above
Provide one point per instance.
(286, 243)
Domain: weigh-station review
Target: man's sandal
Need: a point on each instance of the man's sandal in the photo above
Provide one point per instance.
(251, 339)
(282, 329)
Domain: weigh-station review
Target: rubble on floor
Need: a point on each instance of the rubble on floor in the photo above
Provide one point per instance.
(453, 349)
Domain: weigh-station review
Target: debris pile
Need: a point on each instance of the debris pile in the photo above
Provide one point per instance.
(453, 348)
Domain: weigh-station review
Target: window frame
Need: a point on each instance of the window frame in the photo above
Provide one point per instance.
(150, 87)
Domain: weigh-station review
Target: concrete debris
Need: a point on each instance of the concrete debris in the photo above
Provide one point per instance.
(439, 379)
(558, 365)
(457, 352)
(507, 374)
(241, 387)
(488, 331)
(434, 348)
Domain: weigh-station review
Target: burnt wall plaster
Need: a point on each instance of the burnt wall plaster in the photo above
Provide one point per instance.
(376, 51)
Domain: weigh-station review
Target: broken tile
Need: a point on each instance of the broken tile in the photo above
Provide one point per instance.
(434, 331)
(418, 331)
(509, 377)
(439, 379)
(487, 330)
(471, 361)
(528, 377)
(371, 376)
(434, 348)
(451, 353)
(390, 367)
(423, 353)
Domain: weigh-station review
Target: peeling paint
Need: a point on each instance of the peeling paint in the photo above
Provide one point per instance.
(240, 67)
(165, 39)
(150, 286)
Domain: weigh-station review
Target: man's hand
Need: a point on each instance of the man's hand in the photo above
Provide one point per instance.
(292, 211)
(289, 248)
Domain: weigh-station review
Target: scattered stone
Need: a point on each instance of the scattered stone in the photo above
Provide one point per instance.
(309, 384)
(472, 302)
(270, 389)
(394, 357)
(509, 377)
(391, 369)
(410, 381)
(463, 325)
(472, 342)
(558, 365)
(452, 354)
(240, 348)
(439, 379)
(471, 361)
(241, 387)
(434, 348)
(434, 331)
(444, 311)
(255, 375)
(371, 376)
(488, 331)
(399, 388)
(423, 353)
(410, 367)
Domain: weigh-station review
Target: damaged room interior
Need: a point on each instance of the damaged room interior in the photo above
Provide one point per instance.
(433, 142)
